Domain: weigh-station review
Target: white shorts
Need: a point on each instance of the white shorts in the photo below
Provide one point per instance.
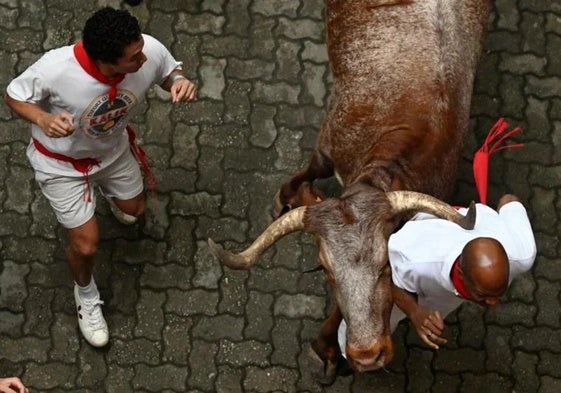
(68, 195)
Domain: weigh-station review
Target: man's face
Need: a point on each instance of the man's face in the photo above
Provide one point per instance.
(132, 58)
(479, 295)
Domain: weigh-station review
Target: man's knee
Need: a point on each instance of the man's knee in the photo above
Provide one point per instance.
(134, 207)
(86, 247)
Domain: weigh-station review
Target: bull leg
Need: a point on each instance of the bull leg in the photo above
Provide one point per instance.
(298, 191)
(325, 353)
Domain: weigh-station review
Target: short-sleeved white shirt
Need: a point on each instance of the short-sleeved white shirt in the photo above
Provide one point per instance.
(422, 253)
(58, 83)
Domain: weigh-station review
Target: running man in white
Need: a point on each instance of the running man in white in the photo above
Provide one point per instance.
(437, 265)
(79, 100)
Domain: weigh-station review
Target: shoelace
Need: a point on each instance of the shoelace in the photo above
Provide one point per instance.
(95, 316)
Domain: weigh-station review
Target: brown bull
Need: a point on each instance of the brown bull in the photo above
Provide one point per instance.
(403, 76)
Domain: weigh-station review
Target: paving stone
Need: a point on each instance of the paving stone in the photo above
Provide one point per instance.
(202, 364)
(229, 380)
(234, 293)
(119, 379)
(207, 268)
(218, 327)
(11, 324)
(185, 150)
(549, 384)
(488, 382)
(546, 296)
(38, 306)
(193, 302)
(49, 376)
(270, 379)
(25, 348)
(139, 252)
(238, 103)
(259, 316)
(524, 367)
(421, 378)
(12, 282)
(176, 341)
(273, 280)
(202, 23)
(285, 342)
(244, 353)
(65, 342)
(160, 377)
(449, 360)
(130, 352)
(212, 78)
(93, 369)
(149, 311)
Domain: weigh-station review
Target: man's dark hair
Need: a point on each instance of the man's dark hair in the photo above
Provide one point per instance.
(107, 32)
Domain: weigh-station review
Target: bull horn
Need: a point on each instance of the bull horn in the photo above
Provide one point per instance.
(403, 201)
(287, 223)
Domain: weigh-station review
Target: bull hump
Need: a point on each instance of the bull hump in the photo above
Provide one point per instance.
(385, 44)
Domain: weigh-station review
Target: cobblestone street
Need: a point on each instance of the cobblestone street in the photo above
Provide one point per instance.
(179, 321)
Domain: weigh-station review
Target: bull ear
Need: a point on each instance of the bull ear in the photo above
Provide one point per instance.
(410, 201)
(289, 222)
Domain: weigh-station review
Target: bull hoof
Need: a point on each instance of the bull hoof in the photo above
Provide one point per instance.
(324, 372)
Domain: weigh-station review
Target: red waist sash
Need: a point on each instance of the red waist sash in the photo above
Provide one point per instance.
(85, 165)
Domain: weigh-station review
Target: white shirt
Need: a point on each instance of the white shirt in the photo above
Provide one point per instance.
(57, 83)
(422, 253)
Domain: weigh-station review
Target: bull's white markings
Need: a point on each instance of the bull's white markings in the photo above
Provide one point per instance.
(102, 118)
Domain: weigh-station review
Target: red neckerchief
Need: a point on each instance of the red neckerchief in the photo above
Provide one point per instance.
(458, 281)
(91, 68)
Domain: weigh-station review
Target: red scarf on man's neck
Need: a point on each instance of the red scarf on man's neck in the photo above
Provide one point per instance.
(91, 68)
(458, 280)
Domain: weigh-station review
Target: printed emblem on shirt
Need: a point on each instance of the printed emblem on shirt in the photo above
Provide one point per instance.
(102, 119)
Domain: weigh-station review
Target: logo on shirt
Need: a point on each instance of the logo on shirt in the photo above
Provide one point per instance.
(102, 118)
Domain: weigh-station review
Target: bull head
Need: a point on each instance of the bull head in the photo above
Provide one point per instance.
(352, 233)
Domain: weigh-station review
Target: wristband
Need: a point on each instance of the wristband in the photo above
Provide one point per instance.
(176, 77)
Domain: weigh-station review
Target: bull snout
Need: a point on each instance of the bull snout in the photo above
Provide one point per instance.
(371, 357)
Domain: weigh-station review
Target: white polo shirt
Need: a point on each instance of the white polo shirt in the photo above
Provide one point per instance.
(422, 253)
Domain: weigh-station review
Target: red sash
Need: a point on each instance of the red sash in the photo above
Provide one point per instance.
(82, 165)
(85, 165)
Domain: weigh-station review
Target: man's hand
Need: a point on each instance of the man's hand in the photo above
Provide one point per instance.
(12, 385)
(56, 126)
(183, 90)
(429, 326)
(507, 198)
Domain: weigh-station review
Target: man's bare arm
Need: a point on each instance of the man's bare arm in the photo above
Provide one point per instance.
(54, 126)
(429, 324)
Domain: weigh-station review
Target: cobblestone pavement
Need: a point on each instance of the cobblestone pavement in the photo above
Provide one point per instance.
(179, 321)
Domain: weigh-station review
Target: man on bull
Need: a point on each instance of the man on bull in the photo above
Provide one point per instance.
(436, 265)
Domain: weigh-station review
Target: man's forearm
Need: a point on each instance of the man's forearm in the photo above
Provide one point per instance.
(406, 301)
(177, 73)
(25, 110)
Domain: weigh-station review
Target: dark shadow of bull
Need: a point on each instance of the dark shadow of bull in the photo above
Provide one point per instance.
(403, 75)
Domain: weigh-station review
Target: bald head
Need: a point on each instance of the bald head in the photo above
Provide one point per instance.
(485, 267)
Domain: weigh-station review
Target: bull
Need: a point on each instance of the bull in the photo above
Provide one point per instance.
(403, 73)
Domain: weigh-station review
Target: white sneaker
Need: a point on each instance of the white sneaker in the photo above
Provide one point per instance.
(122, 217)
(91, 321)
